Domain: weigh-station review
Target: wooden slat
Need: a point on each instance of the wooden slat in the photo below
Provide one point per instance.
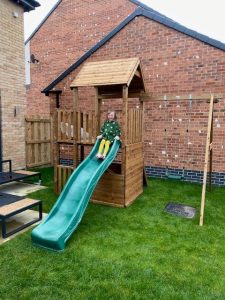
(195, 97)
(35, 119)
(63, 112)
(141, 126)
(131, 125)
(59, 136)
(138, 126)
(31, 149)
(84, 126)
(27, 136)
(7, 209)
(51, 135)
(59, 171)
(38, 141)
(107, 203)
(31, 165)
(69, 120)
(90, 127)
(43, 148)
(25, 172)
(97, 111)
(63, 125)
(36, 149)
(78, 126)
(65, 176)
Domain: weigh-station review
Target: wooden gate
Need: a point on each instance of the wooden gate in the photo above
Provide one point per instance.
(38, 132)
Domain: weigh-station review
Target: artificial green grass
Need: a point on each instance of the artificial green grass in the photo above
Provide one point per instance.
(140, 252)
(46, 195)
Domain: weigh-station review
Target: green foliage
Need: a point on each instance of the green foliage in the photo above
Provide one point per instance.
(140, 252)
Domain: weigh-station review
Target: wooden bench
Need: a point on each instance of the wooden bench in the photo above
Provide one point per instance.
(15, 208)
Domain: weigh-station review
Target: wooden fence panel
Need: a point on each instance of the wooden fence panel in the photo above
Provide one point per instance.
(38, 132)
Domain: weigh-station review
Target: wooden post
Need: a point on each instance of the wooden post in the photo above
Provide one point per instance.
(81, 152)
(207, 150)
(56, 149)
(145, 178)
(142, 125)
(211, 155)
(124, 127)
(52, 139)
(75, 134)
(124, 116)
(98, 103)
(75, 98)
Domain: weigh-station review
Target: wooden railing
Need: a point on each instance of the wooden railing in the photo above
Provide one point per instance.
(38, 132)
(85, 127)
(135, 126)
(84, 123)
(62, 174)
(63, 125)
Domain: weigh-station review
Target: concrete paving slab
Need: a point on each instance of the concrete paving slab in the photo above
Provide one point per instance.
(20, 188)
(19, 220)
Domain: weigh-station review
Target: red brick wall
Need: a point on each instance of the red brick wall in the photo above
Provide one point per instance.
(68, 33)
(172, 63)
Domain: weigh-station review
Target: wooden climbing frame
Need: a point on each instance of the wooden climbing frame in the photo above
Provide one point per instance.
(123, 181)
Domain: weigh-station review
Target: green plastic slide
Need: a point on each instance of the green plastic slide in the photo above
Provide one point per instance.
(68, 210)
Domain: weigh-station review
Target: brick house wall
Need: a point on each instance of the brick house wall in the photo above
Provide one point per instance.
(68, 33)
(173, 64)
(12, 83)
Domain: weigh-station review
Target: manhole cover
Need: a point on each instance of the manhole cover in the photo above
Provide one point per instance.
(180, 210)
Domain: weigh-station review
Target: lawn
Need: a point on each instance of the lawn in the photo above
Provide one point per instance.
(140, 252)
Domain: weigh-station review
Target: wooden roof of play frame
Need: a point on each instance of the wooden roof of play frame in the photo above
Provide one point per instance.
(125, 71)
